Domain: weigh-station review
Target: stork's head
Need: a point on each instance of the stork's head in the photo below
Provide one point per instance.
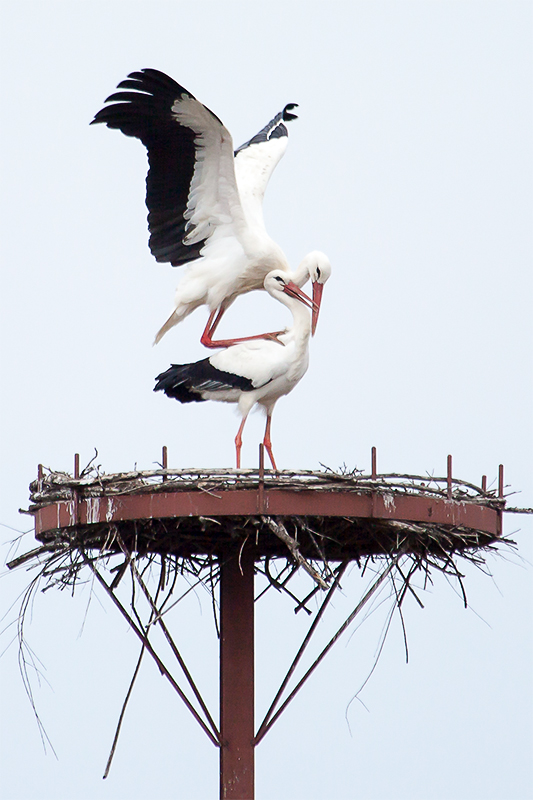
(279, 282)
(316, 266)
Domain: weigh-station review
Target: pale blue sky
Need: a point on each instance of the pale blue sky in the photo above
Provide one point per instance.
(411, 167)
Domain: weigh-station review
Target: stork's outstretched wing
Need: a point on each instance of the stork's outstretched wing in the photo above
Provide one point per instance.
(191, 186)
(256, 160)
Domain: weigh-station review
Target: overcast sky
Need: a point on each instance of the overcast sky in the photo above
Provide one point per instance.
(411, 166)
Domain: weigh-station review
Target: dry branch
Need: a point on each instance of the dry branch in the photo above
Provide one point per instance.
(279, 529)
(54, 486)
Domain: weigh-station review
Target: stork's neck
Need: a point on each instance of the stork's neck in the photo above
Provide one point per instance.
(301, 318)
(301, 273)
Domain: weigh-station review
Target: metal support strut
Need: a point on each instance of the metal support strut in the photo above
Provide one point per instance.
(237, 674)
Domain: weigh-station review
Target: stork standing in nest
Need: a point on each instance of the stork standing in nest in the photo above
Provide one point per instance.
(205, 201)
(256, 371)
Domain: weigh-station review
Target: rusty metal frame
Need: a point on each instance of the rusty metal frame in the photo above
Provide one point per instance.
(265, 725)
(212, 733)
(275, 502)
(271, 717)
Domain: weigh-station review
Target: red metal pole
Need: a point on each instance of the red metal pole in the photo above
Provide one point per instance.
(449, 478)
(237, 674)
(164, 460)
(374, 464)
(500, 481)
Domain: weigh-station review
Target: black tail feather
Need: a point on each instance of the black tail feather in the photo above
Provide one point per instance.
(187, 382)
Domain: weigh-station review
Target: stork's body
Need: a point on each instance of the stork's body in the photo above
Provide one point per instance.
(204, 200)
(256, 371)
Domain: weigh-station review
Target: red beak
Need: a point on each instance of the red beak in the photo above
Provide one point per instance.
(295, 291)
(317, 299)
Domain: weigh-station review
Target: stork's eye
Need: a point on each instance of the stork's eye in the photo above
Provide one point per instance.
(278, 278)
(318, 272)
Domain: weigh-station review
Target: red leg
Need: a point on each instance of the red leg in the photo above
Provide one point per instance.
(211, 327)
(268, 444)
(238, 442)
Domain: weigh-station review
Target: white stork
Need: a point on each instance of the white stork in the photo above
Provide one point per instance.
(256, 371)
(204, 200)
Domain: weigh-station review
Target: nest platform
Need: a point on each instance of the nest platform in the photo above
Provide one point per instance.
(332, 516)
(139, 533)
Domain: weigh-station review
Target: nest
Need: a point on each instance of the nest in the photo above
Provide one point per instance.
(54, 486)
(194, 545)
(324, 538)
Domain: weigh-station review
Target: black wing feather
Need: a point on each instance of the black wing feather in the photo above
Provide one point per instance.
(145, 113)
(186, 382)
(275, 129)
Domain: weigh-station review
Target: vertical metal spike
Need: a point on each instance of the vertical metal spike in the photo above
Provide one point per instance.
(164, 460)
(500, 481)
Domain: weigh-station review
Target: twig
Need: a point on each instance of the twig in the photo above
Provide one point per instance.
(164, 671)
(279, 529)
(123, 711)
(177, 654)
(47, 548)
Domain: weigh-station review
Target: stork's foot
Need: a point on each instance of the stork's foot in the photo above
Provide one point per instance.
(272, 337)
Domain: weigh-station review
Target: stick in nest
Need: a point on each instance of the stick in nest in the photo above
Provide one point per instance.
(279, 529)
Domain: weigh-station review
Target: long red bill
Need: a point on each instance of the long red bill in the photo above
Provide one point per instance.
(295, 291)
(317, 300)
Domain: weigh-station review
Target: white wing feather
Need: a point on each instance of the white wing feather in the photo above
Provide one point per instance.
(253, 168)
(213, 197)
(262, 361)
